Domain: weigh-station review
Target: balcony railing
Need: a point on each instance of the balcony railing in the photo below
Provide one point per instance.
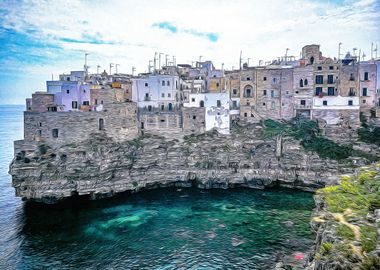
(147, 99)
(300, 106)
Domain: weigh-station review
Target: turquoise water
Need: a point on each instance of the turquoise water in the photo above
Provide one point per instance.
(159, 229)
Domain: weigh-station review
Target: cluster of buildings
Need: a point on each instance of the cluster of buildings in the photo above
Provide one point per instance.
(184, 99)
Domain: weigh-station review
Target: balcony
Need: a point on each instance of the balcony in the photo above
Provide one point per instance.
(300, 106)
(147, 98)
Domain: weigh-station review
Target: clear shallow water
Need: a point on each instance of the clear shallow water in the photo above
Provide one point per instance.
(159, 229)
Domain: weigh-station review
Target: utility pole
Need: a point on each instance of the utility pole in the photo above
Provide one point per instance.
(150, 66)
(371, 50)
(85, 65)
(116, 65)
(339, 46)
(166, 59)
(375, 50)
(97, 69)
(240, 60)
(360, 52)
(159, 60)
(133, 70)
(155, 60)
(111, 66)
(248, 61)
(286, 55)
(174, 62)
(200, 58)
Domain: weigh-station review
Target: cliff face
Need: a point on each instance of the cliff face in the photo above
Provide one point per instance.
(102, 167)
(347, 223)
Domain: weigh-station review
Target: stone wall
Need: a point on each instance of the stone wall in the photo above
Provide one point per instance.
(58, 128)
(193, 120)
(108, 95)
(161, 123)
(41, 101)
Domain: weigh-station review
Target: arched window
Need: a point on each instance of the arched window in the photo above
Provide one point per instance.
(301, 83)
(150, 108)
(312, 60)
(201, 103)
(170, 107)
(305, 83)
(248, 91)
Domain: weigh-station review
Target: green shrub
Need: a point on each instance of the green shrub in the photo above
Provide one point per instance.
(325, 248)
(368, 238)
(370, 263)
(345, 232)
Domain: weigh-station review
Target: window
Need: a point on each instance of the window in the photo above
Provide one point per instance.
(366, 76)
(272, 93)
(54, 132)
(331, 67)
(352, 78)
(39, 132)
(263, 103)
(364, 101)
(330, 91)
(351, 92)
(264, 92)
(162, 120)
(168, 83)
(247, 92)
(301, 83)
(163, 95)
(234, 91)
(248, 103)
(84, 91)
(201, 104)
(312, 60)
(169, 95)
(163, 83)
(86, 103)
(40, 124)
(192, 99)
(364, 92)
(318, 91)
(287, 93)
(194, 117)
(149, 108)
(330, 78)
(248, 78)
(162, 107)
(234, 104)
(101, 124)
(245, 115)
(306, 82)
(303, 102)
(217, 84)
(274, 81)
(265, 78)
(170, 107)
(218, 103)
(74, 104)
(273, 105)
(67, 91)
(319, 79)
(350, 103)
(325, 102)
(319, 68)
(146, 84)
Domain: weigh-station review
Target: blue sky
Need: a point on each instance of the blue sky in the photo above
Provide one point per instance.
(41, 38)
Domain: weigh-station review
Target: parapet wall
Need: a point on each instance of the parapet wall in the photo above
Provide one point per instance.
(118, 121)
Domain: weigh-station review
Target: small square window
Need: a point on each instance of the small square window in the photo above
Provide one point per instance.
(67, 91)
(364, 101)
(319, 68)
(331, 67)
(303, 102)
(245, 114)
(350, 103)
(146, 84)
(194, 117)
(265, 78)
(168, 83)
(54, 132)
(163, 83)
(163, 95)
(169, 95)
(325, 102)
(248, 78)
(263, 103)
(192, 99)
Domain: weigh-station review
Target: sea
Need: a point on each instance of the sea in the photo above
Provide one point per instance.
(159, 229)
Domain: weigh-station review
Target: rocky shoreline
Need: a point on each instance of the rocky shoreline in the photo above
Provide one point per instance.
(101, 167)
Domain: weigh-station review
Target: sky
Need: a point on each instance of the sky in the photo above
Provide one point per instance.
(41, 39)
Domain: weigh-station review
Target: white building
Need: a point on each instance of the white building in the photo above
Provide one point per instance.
(217, 109)
(158, 91)
(70, 92)
(336, 103)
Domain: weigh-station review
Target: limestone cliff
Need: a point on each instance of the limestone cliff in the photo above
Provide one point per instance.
(102, 167)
